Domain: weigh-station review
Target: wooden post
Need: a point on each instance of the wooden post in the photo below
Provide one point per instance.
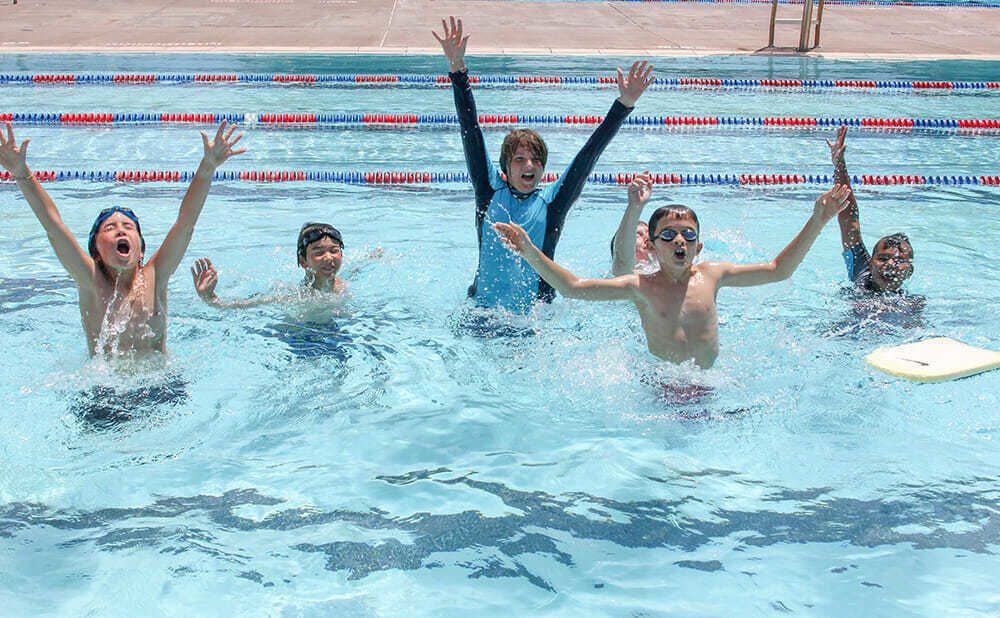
(807, 6)
(770, 34)
(819, 20)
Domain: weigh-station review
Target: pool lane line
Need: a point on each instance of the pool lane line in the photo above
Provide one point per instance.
(411, 80)
(397, 177)
(284, 120)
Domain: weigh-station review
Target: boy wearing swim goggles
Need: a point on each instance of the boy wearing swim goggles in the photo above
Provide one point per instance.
(123, 301)
(891, 261)
(677, 303)
(320, 251)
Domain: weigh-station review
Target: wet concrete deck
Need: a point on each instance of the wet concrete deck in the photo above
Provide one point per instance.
(403, 27)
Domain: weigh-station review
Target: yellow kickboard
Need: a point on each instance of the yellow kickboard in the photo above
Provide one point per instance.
(933, 360)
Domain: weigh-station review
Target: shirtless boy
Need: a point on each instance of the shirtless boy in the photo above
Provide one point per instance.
(677, 303)
(502, 280)
(123, 301)
(320, 250)
(891, 262)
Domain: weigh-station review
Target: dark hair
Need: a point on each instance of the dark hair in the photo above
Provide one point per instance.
(898, 240)
(522, 137)
(310, 233)
(672, 211)
(615, 235)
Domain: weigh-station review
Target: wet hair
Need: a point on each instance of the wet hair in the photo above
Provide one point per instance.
(898, 240)
(310, 233)
(672, 211)
(522, 137)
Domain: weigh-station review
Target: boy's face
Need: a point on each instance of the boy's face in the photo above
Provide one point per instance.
(323, 258)
(677, 253)
(891, 266)
(524, 170)
(641, 242)
(118, 243)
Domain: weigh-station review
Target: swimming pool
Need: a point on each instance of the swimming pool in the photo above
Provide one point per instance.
(381, 462)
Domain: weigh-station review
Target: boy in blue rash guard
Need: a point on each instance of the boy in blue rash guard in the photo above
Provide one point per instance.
(892, 262)
(502, 280)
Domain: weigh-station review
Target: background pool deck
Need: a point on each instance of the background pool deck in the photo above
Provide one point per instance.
(559, 28)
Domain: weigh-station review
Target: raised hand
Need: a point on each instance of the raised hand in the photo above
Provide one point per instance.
(12, 158)
(832, 202)
(453, 43)
(205, 277)
(513, 237)
(630, 88)
(838, 147)
(220, 149)
(640, 189)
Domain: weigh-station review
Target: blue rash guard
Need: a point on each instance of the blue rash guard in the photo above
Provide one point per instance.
(502, 278)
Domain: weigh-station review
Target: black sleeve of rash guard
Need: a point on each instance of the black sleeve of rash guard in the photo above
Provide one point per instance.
(472, 141)
(579, 169)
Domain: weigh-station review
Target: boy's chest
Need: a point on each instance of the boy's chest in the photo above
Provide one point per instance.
(691, 305)
(530, 213)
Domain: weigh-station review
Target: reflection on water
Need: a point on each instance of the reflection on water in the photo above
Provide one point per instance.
(535, 525)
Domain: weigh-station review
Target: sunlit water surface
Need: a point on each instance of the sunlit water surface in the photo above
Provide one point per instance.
(373, 458)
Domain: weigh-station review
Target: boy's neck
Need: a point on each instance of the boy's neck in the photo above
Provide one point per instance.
(324, 285)
(122, 280)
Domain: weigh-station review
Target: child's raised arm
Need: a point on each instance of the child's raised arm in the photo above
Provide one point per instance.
(73, 258)
(206, 277)
(623, 255)
(217, 151)
(740, 275)
(453, 43)
(850, 223)
(631, 87)
(565, 282)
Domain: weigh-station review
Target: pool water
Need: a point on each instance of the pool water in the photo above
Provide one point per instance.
(373, 458)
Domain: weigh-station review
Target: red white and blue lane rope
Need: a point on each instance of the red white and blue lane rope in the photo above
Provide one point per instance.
(398, 177)
(411, 80)
(332, 121)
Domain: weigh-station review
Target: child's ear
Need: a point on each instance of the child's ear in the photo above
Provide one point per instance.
(302, 262)
(700, 245)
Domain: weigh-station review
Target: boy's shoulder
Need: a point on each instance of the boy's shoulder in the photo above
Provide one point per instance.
(712, 269)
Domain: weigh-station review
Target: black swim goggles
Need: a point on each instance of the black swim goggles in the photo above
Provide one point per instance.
(313, 232)
(669, 234)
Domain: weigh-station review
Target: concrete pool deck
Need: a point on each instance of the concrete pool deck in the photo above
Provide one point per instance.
(636, 29)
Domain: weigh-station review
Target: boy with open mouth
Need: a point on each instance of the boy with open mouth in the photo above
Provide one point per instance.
(677, 303)
(123, 301)
(515, 196)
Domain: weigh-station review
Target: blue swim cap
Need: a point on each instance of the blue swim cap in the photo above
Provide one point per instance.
(101, 217)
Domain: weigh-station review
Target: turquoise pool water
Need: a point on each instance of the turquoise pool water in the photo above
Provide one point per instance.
(372, 459)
